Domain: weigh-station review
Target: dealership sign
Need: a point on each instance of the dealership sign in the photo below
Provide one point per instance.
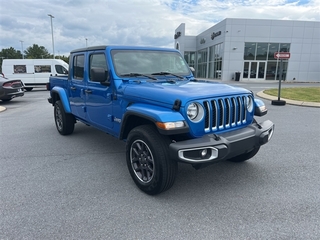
(215, 34)
(281, 55)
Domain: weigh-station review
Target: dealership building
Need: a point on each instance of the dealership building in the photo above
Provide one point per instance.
(254, 49)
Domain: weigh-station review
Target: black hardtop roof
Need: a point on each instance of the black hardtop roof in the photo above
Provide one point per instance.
(103, 47)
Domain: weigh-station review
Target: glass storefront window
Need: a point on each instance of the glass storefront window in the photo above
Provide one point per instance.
(215, 61)
(190, 58)
(249, 51)
(211, 54)
(211, 62)
(273, 47)
(262, 50)
(273, 70)
(260, 62)
(202, 56)
(261, 69)
(284, 70)
(217, 52)
(202, 63)
(218, 67)
(284, 47)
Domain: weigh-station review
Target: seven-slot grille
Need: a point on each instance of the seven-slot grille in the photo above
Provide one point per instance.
(223, 113)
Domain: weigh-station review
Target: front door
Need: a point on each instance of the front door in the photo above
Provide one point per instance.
(254, 70)
(98, 96)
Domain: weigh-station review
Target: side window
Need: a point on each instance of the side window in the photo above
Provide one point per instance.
(61, 70)
(97, 60)
(78, 67)
(19, 68)
(42, 68)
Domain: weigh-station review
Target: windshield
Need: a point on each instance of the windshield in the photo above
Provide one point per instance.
(148, 62)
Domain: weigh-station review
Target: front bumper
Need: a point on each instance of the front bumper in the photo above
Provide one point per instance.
(211, 148)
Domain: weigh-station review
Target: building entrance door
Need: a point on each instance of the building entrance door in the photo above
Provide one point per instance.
(254, 70)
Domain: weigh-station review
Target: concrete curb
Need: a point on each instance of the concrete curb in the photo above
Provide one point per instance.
(288, 101)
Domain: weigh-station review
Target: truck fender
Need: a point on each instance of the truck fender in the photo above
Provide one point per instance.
(63, 96)
(150, 113)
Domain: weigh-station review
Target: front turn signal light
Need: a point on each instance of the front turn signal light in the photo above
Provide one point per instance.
(170, 125)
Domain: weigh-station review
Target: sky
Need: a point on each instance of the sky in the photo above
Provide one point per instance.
(81, 23)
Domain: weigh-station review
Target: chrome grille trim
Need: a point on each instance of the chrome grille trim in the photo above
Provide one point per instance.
(228, 115)
(221, 114)
(244, 109)
(224, 113)
(207, 116)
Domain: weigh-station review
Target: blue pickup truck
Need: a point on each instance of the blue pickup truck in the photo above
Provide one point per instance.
(149, 98)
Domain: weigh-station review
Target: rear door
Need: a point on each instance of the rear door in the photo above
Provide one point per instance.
(98, 96)
(77, 86)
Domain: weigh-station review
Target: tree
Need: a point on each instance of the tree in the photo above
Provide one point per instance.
(37, 52)
(10, 53)
(64, 58)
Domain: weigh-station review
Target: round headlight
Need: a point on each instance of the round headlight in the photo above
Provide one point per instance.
(192, 111)
(195, 112)
(249, 103)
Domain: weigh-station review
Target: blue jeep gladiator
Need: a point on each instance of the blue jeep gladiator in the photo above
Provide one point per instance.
(149, 98)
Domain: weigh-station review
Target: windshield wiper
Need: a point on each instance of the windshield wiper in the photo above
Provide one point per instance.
(137, 75)
(167, 73)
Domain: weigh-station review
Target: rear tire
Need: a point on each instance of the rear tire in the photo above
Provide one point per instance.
(28, 89)
(64, 121)
(148, 161)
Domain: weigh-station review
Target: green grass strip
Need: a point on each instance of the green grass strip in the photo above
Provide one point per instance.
(306, 94)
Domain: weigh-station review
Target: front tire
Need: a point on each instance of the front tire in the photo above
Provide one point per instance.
(148, 162)
(64, 121)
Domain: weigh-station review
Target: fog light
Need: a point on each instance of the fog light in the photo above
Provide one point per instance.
(204, 152)
(198, 155)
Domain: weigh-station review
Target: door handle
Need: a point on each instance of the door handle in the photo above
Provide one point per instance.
(73, 88)
(88, 91)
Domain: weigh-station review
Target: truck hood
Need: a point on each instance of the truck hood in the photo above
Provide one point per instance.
(167, 93)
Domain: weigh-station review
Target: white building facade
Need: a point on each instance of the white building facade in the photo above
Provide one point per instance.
(245, 49)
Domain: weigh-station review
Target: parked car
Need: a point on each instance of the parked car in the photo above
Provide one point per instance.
(10, 88)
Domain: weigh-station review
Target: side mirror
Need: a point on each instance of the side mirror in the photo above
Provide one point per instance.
(99, 75)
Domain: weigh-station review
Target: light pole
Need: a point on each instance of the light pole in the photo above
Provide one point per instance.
(22, 48)
(86, 42)
(50, 15)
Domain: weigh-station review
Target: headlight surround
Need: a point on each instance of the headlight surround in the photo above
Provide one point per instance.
(249, 103)
(195, 112)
